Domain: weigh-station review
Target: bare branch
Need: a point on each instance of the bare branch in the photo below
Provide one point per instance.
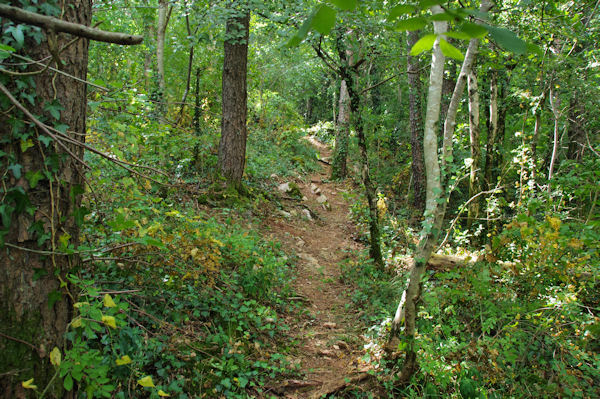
(58, 25)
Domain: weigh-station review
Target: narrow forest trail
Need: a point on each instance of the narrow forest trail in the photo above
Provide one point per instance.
(329, 337)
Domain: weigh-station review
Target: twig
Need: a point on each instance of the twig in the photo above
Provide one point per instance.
(492, 191)
(55, 70)
(19, 340)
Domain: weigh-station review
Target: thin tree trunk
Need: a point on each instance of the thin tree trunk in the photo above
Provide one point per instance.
(163, 20)
(474, 131)
(490, 147)
(189, 71)
(576, 131)
(416, 125)
(339, 167)
(232, 146)
(408, 306)
(435, 208)
(35, 304)
(555, 104)
(350, 75)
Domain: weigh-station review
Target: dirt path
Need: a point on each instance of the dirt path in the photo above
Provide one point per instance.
(329, 338)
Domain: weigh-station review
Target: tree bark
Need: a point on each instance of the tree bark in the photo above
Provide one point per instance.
(407, 308)
(339, 168)
(474, 132)
(437, 199)
(416, 125)
(576, 131)
(555, 104)
(349, 73)
(232, 146)
(35, 306)
(161, 31)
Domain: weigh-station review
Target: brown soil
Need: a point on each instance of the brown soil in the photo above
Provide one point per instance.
(329, 337)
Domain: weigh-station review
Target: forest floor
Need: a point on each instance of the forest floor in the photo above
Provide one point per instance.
(328, 336)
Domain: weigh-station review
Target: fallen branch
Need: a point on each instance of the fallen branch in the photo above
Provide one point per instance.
(58, 25)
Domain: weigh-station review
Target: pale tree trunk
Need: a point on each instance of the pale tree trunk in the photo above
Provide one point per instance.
(555, 104)
(408, 306)
(35, 303)
(339, 167)
(474, 131)
(536, 132)
(232, 146)
(416, 125)
(436, 203)
(490, 147)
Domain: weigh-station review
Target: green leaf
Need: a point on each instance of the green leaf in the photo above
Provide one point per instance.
(68, 383)
(243, 382)
(345, 4)
(415, 23)
(4, 47)
(428, 3)
(17, 33)
(423, 44)
(26, 144)
(33, 178)
(400, 9)
(507, 39)
(473, 30)
(450, 51)
(324, 19)
(302, 32)
(458, 35)
(534, 49)
(16, 169)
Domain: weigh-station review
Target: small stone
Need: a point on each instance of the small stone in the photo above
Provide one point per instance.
(321, 199)
(274, 176)
(284, 187)
(306, 214)
(285, 214)
(330, 325)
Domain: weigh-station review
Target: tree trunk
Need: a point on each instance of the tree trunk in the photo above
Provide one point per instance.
(232, 146)
(576, 131)
(161, 31)
(436, 203)
(492, 125)
(35, 306)
(416, 125)
(407, 308)
(339, 168)
(350, 75)
(474, 130)
(555, 104)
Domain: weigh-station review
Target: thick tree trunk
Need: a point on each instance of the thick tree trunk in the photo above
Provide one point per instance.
(474, 130)
(35, 307)
(339, 168)
(416, 125)
(232, 146)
